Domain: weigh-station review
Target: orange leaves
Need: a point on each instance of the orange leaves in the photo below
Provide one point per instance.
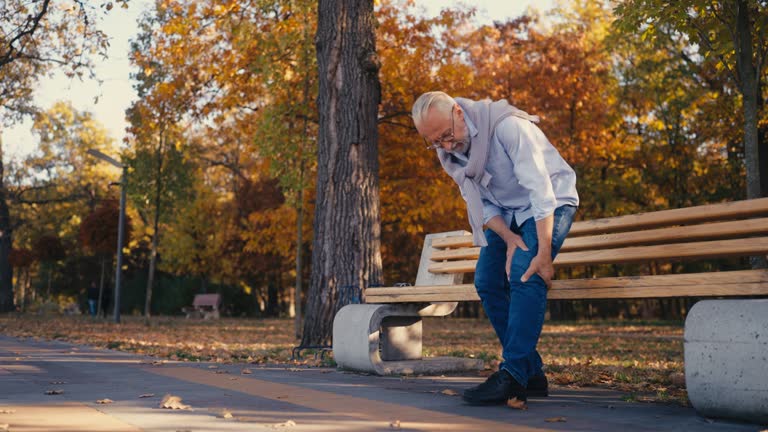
(173, 402)
(514, 403)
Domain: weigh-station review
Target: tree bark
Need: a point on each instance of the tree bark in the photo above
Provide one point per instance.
(101, 284)
(346, 246)
(155, 226)
(749, 85)
(6, 244)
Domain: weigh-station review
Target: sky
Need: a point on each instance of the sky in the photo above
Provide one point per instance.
(116, 93)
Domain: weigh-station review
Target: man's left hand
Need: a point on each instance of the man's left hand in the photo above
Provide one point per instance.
(541, 265)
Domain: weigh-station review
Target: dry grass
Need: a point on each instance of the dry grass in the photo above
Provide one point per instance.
(643, 360)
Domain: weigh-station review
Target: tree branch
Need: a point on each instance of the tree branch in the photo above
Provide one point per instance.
(9, 56)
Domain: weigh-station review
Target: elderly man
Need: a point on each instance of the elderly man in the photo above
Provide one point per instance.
(516, 184)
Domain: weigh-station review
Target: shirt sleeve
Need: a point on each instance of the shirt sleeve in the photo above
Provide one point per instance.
(490, 210)
(525, 144)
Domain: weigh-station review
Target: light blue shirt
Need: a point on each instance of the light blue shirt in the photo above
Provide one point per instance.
(529, 178)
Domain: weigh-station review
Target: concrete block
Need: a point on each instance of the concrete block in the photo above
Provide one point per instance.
(400, 338)
(726, 358)
(358, 331)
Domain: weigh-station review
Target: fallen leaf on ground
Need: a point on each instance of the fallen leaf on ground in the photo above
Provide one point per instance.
(173, 402)
(104, 401)
(7, 411)
(514, 403)
(395, 424)
(54, 392)
(222, 371)
(146, 395)
(213, 367)
(556, 420)
(449, 392)
(246, 372)
(225, 414)
(289, 423)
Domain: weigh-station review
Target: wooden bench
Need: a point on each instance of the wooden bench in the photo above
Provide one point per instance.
(383, 336)
(204, 306)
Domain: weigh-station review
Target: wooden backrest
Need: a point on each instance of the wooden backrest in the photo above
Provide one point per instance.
(213, 300)
(716, 230)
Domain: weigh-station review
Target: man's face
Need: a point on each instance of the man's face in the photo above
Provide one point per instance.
(446, 130)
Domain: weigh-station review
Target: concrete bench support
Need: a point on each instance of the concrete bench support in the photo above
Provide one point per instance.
(726, 358)
(385, 339)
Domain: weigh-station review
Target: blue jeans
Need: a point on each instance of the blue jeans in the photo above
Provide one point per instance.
(515, 309)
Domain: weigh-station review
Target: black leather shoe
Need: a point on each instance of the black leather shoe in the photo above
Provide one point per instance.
(538, 386)
(496, 390)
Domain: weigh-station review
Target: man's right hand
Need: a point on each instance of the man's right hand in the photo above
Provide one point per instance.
(514, 241)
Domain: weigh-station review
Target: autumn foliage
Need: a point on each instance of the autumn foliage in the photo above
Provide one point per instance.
(223, 138)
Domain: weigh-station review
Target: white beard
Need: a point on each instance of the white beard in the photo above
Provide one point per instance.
(460, 146)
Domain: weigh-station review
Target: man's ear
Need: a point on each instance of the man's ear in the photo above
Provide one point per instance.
(458, 109)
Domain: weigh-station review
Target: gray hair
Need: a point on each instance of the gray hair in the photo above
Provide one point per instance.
(437, 99)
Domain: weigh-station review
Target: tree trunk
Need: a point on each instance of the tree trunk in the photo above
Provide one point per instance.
(6, 243)
(101, 285)
(749, 86)
(299, 263)
(346, 242)
(155, 225)
(151, 276)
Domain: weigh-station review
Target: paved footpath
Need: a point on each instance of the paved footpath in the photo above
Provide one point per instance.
(285, 398)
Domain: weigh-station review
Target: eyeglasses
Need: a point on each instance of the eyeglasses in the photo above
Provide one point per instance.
(438, 143)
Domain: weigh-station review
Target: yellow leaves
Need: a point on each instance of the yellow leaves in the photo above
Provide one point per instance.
(104, 401)
(449, 392)
(556, 420)
(173, 402)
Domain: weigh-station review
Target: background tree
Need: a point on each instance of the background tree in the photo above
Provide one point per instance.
(35, 39)
(98, 234)
(734, 33)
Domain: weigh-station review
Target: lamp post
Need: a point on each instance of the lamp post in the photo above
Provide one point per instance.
(120, 226)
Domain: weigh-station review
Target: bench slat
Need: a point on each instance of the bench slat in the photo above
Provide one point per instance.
(709, 212)
(661, 235)
(456, 254)
(692, 232)
(742, 282)
(453, 242)
(711, 231)
(706, 249)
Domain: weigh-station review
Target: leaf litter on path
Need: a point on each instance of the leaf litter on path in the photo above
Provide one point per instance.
(173, 402)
